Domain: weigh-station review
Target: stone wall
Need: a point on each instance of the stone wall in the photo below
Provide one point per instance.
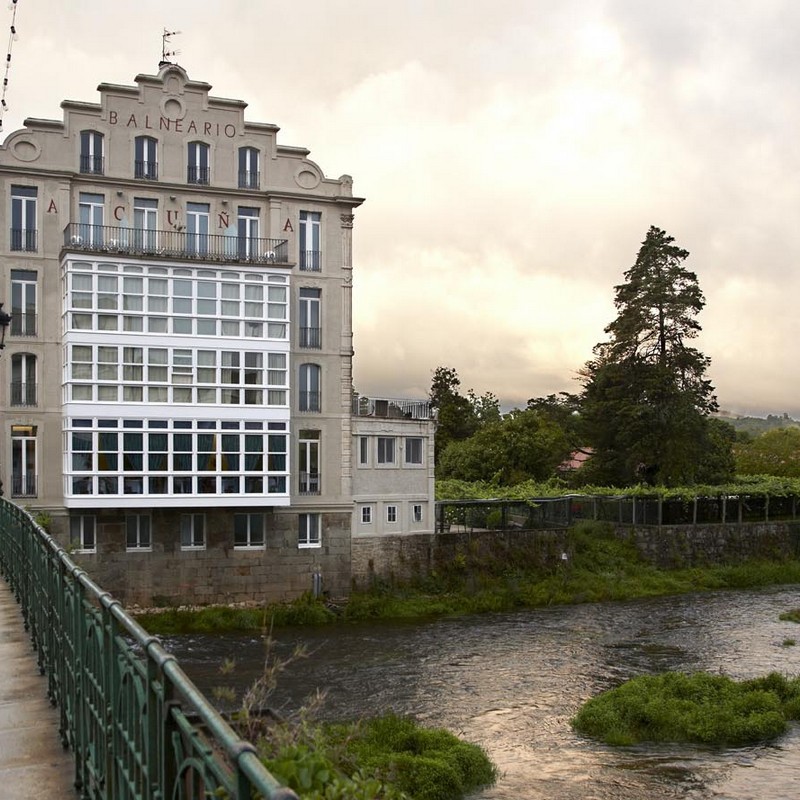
(219, 573)
(400, 558)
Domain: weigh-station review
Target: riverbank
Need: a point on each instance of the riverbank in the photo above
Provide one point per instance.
(487, 577)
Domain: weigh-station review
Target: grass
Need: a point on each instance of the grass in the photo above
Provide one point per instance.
(389, 757)
(791, 616)
(699, 708)
(491, 576)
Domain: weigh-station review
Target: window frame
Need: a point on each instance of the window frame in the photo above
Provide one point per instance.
(407, 461)
(251, 542)
(24, 219)
(188, 523)
(309, 320)
(249, 178)
(310, 241)
(310, 388)
(417, 516)
(24, 368)
(198, 163)
(138, 547)
(145, 158)
(381, 444)
(90, 162)
(391, 514)
(366, 515)
(309, 534)
(78, 524)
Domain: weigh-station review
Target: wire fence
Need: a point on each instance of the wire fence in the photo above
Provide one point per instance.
(561, 512)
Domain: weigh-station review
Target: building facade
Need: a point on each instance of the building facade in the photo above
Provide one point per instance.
(178, 365)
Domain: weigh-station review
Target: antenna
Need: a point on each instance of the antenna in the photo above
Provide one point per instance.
(12, 37)
(166, 39)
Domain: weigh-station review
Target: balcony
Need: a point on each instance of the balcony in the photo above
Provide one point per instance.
(249, 180)
(146, 169)
(311, 260)
(24, 323)
(23, 485)
(392, 409)
(310, 483)
(92, 165)
(175, 244)
(311, 401)
(23, 240)
(311, 338)
(23, 393)
(198, 175)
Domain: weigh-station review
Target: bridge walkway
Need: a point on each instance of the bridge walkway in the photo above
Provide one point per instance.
(33, 764)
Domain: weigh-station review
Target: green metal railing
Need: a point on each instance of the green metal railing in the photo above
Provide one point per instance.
(138, 727)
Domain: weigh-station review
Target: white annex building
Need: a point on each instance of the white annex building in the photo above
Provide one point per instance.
(177, 395)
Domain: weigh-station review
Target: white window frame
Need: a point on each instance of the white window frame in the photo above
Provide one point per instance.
(90, 159)
(252, 543)
(416, 513)
(309, 531)
(366, 515)
(80, 526)
(137, 520)
(363, 451)
(381, 445)
(407, 448)
(391, 514)
(190, 522)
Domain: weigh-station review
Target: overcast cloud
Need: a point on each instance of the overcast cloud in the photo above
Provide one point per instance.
(513, 154)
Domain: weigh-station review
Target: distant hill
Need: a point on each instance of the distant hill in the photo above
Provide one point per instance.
(754, 426)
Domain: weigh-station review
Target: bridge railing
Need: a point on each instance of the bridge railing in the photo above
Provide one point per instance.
(138, 727)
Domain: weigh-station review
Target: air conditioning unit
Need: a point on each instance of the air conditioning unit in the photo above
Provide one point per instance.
(76, 240)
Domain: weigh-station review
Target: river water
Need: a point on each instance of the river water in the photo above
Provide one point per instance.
(511, 682)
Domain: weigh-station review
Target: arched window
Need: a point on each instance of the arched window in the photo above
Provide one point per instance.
(145, 163)
(23, 379)
(249, 176)
(198, 163)
(310, 394)
(91, 152)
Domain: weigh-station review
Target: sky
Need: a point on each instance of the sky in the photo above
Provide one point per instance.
(513, 155)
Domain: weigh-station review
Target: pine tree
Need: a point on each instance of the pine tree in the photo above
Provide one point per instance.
(646, 397)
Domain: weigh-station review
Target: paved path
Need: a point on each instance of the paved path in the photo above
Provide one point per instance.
(33, 764)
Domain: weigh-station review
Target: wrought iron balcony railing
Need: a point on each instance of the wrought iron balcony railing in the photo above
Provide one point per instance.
(24, 239)
(92, 165)
(23, 485)
(175, 244)
(311, 260)
(201, 175)
(310, 401)
(23, 393)
(23, 323)
(311, 337)
(249, 180)
(146, 169)
(310, 483)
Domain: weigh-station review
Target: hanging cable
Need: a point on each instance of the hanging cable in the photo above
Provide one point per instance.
(12, 37)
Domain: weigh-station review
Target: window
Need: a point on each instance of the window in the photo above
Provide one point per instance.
(23, 379)
(310, 395)
(23, 218)
(310, 331)
(137, 532)
(308, 462)
(386, 450)
(248, 530)
(145, 163)
(197, 226)
(82, 533)
(310, 254)
(363, 451)
(145, 224)
(90, 215)
(23, 461)
(416, 512)
(197, 168)
(366, 515)
(23, 302)
(391, 513)
(193, 531)
(309, 530)
(91, 160)
(413, 446)
(247, 229)
(249, 177)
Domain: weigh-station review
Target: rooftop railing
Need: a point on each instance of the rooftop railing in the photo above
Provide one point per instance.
(175, 244)
(392, 408)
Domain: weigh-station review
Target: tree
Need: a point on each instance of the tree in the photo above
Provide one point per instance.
(776, 452)
(646, 397)
(524, 445)
(455, 413)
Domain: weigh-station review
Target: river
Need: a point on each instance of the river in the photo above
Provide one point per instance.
(511, 682)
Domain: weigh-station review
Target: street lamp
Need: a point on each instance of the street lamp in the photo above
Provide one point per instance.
(5, 321)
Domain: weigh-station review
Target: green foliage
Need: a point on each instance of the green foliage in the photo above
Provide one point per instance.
(524, 445)
(646, 398)
(776, 452)
(791, 616)
(701, 708)
(750, 427)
